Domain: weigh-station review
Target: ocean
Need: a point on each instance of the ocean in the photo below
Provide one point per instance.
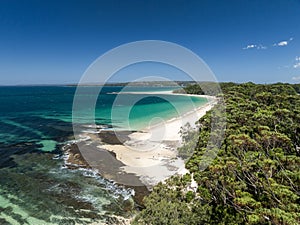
(35, 123)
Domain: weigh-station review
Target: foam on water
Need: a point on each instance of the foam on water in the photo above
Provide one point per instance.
(35, 186)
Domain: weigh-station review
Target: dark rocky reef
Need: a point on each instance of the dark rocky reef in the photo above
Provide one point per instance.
(88, 155)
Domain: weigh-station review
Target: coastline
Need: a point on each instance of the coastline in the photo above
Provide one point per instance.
(136, 160)
(151, 153)
(140, 158)
(209, 97)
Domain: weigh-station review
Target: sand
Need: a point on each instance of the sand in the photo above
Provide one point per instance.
(151, 153)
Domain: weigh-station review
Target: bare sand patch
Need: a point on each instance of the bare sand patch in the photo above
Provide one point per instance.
(151, 153)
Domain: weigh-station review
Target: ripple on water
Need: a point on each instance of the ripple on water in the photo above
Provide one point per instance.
(40, 191)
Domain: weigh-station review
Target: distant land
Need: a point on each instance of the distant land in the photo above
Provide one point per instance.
(150, 84)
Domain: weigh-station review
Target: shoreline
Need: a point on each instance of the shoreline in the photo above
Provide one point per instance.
(113, 154)
(164, 93)
(210, 100)
(136, 159)
(151, 153)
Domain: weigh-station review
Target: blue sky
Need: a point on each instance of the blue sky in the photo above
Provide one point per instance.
(47, 42)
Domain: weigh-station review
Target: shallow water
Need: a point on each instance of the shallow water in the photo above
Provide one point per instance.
(35, 122)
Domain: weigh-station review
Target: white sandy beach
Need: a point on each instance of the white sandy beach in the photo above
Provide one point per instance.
(151, 153)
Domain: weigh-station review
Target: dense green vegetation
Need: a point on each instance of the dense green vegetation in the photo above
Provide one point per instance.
(296, 87)
(255, 178)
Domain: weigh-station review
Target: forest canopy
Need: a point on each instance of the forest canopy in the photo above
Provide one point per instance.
(256, 176)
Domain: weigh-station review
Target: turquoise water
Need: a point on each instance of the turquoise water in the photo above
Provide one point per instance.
(165, 108)
(35, 122)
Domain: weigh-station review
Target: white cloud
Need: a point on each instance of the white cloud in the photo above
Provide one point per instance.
(296, 78)
(261, 47)
(296, 65)
(297, 58)
(251, 46)
(283, 43)
(278, 44)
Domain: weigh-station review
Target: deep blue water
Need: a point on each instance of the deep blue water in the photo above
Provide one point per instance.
(35, 122)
